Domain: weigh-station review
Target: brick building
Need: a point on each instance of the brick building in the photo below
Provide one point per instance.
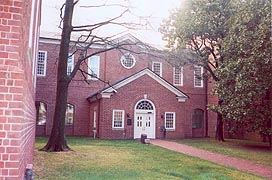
(19, 29)
(145, 94)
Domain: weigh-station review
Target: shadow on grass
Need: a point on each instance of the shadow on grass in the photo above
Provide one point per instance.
(248, 145)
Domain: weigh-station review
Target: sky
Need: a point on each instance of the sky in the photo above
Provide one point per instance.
(155, 10)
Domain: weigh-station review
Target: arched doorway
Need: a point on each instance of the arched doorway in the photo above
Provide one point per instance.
(144, 119)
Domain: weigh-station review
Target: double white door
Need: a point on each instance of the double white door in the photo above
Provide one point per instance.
(144, 124)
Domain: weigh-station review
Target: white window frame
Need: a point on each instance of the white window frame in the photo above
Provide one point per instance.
(124, 58)
(195, 78)
(180, 77)
(174, 120)
(90, 68)
(42, 110)
(155, 62)
(123, 118)
(69, 111)
(94, 119)
(45, 63)
(70, 64)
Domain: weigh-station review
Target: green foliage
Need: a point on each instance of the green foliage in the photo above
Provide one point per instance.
(199, 25)
(246, 73)
(232, 40)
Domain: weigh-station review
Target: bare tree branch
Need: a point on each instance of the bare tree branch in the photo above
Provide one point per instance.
(61, 15)
(97, 25)
(108, 5)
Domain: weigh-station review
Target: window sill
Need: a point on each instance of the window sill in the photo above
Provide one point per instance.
(116, 129)
(170, 129)
(179, 85)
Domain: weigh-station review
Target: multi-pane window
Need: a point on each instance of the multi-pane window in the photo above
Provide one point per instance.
(144, 105)
(178, 76)
(93, 67)
(198, 118)
(69, 116)
(128, 60)
(198, 76)
(157, 68)
(170, 118)
(41, 63)
(70, 64)
(41, 107)
(118, 119)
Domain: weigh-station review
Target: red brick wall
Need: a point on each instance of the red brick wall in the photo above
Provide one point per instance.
(17, 79)
(111, 70)
(164, 101)
(77, 95)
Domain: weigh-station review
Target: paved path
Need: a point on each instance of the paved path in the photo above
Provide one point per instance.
(240, 164)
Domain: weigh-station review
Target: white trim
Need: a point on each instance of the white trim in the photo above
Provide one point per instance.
(155, 62)
(34, 47)
(174, 120)
(180, 96)
(45, 63)
(106, 95)
(181, 76)
(56, 41)
(32, 26)
(201, 71)
(145, 111)
(123, 118)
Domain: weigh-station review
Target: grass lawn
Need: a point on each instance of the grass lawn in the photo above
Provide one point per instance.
(124, 159)
(249, 150)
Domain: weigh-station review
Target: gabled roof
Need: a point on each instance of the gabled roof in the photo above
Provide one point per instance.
(109, 91)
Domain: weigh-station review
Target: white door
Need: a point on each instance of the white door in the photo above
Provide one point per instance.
(144, 124)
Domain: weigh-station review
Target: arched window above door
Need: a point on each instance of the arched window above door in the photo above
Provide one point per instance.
(144, 105)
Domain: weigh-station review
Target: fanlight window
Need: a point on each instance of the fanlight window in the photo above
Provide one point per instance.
(144, 105)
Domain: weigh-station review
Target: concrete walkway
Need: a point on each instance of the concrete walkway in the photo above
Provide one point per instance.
(240, 164)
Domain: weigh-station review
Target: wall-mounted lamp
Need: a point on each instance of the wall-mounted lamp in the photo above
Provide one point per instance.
(128, 115)
(162, 116)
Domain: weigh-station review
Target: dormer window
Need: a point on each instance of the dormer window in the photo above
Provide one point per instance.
(128, 60)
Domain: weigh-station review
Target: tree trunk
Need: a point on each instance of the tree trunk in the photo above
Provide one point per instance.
(57, 140)
(269, 122)
(270, 142)
(219, 126)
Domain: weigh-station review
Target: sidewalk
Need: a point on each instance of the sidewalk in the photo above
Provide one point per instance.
(240, 164)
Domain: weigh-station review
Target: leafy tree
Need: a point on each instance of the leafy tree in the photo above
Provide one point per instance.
(200, 26)
(86, 38)
(246, 73)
